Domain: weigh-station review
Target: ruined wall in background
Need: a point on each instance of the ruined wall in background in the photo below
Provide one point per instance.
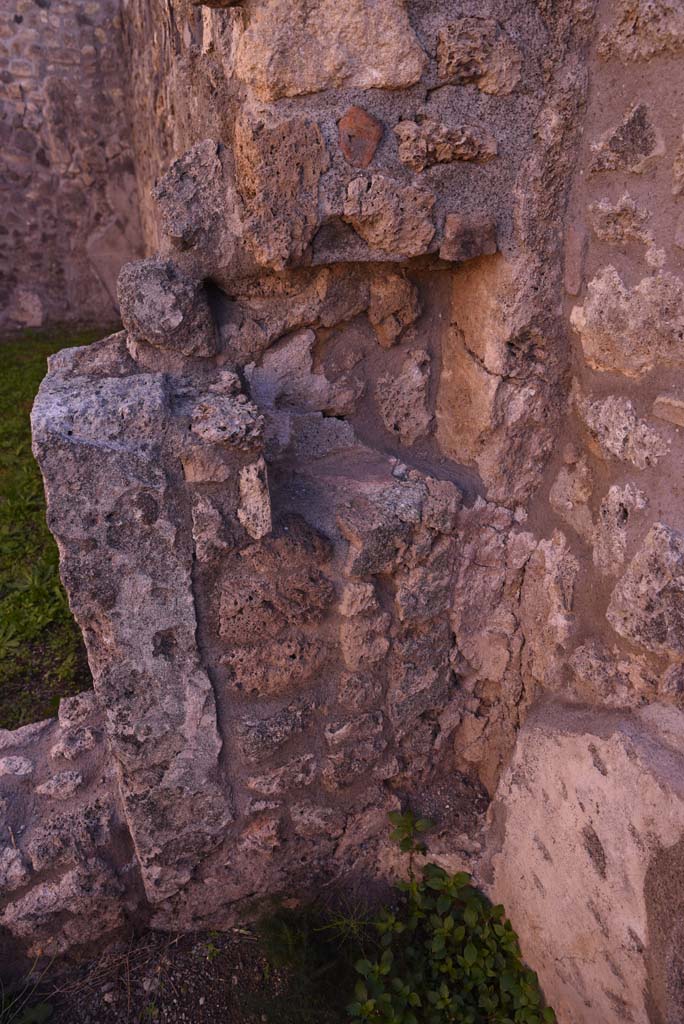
(68, 202)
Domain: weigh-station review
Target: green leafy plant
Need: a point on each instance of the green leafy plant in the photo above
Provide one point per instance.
(211, 950)
(445, 955)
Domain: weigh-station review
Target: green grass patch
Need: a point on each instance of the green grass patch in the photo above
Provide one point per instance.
(41, 652)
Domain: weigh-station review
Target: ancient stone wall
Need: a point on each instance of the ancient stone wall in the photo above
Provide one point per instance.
(68, 200)
(606, 782)
(374, 499)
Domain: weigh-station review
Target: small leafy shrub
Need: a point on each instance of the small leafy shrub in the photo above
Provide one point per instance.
(445, 954)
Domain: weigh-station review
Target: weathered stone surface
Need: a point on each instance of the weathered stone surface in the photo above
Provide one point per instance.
(546, 607)
(359, 134)
(611, 783)
(613, 423)
(466, 237)
(168, 731)
(647, 605)
(670, 409)
(363, 45)
(571, 490)
(425, 143)
(160, 305)
(61, 786)
(632, 146)
(198, 207)
(403, 400)
(678, 170)
(260, 737)
(642, 29)
(394, 306)
(389, 216)
(613, 521)
(278, 168)
(254, 510)
(620, 222)
(631, 330)
(477, 50)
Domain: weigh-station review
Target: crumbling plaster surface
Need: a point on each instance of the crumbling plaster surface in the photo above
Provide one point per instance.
(68, 194)
(371, 501)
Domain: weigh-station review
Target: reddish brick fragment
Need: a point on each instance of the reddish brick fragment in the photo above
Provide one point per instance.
(360, 135)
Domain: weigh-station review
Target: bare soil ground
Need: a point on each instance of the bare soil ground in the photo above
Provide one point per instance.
(198, 979)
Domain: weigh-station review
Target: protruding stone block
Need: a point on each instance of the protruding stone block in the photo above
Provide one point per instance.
(162, 306)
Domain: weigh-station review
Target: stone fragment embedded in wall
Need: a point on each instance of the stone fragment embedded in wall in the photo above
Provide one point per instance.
(80, 908)
(632, 146)
(359, 135)
(614, 517)
(259, 738)
(467, 236)
(273, 305)
(611, 783)
(613, 423)
(68, 837)
(427, 142)
(571, 490)
(642, 29)
(278, 167)
(193, 200)
(678, 170)
(161, 305)
(211, 531)
(478, 51)
(620, 222)
(288, 51)
(254, 510)
(668, 408)
(293, 397)
(403, 399)
(393, 306)
(631, 330)
(391, 217)
(14, 869)
(546, 608)
(600, 677)
(647, 605)
(295, 774)
(490, 566)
